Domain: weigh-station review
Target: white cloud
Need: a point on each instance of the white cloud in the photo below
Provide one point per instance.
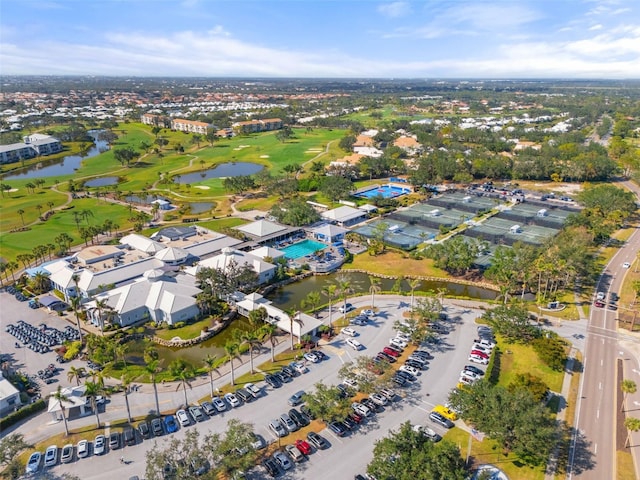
(595, 27)
(395, 9)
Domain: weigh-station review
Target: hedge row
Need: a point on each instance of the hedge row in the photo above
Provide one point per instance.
(24, 412)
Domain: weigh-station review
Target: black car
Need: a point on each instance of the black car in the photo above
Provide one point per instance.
(287, 371)
(244, 395)
(350, 423)
(270, 466)
(282, 377)
(373, 406)
(317, 441)
(145, 431)
(406, 375)
(345, 391)
(400, 381)
(129, 436)
(114, 440)
(474, 369)
(273, 381)
(306, 412)
(423, 354)
(415, 364)
(298, 418)
(441, 420)
(339, 428)
(387, 357)
(321, 355)
(156, 427)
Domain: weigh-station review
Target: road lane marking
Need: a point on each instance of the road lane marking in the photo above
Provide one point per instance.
(601, 362)
(598, 413)
(600, 386)
(595, 448)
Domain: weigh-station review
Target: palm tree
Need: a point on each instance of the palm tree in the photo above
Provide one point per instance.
(21, 213)
(231, 349)
(344, 289)
(294, 318)
(93, 390)
(251, 339)
(210, 362)
(373, 289)
(627, 387)
(312, 300)
(125, 382)
(269, 333)
(61, 398)
(183, 372)
(75, 303)
(75, 373)
(330, 292)
(413, 284)
(632, 425)
(151, 367)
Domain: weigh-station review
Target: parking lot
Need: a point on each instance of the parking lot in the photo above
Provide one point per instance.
(347, 455)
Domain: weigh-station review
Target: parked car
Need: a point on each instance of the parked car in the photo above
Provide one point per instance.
(288, 422)
(418, 365)
(339, 428)
(129, 436)
(299, 367)
(232, 399)
(170, 424)
(349, 331)
(296, 398)
(398, 343)
(300, 419)
(406, 375)
(387, 357)
(478, 359)
(99, 445)
(288, 372)
(427, 432)
(278, 428)
(183, 417)
(361, 409)
(33, 465)
(303, 446)
(311, 357)
(66, 455)
(440, 420)
(379, 399)
(346, 308)
(114, 440)
(244, 395)
(283, 460)
(355, 344)
(83, 448)
(394, 352)
(219, 404)
(479, 353)
(317, 440)
(445, 412)
(208, 408)
(474, 369)
(253, 390)
(388, 393)
(270, 466)
(412, 370)
(156, 427)
(306, 412)
(368, 312)
(51, 456)
(295, 454)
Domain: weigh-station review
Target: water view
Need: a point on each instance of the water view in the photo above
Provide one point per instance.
(200, 207)
(101, 182)
(65, 166)
(234, 169)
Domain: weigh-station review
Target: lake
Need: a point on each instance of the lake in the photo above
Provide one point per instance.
(233, 169)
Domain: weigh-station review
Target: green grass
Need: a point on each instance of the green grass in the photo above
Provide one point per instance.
(488, 451)
(187, 332)
(523, 359)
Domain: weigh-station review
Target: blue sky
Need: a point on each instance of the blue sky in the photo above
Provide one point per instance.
(322, 38)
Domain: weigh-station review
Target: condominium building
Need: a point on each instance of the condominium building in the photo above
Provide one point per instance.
(254, 126)
(32, 146)
(180, 124)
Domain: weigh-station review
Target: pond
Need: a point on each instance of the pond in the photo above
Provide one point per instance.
(294, 293)
(233, 169)
(64, 166)
(101, 182)
(143, 200)
(200, 207)
(194, 355)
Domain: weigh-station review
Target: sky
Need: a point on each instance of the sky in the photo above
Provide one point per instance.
(595, 39)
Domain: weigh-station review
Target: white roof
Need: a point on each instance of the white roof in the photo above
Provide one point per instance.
(342, 214)
(142, 243)
(263, 252)
(75, 398)
(261, 228)
(171, 254)
(6, 388)
(329, 230)
(62, 274)
(222, 261)
(90, 281)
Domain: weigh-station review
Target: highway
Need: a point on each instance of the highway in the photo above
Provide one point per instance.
(593, 449)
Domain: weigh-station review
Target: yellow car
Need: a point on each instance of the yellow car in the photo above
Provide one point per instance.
(445, 412)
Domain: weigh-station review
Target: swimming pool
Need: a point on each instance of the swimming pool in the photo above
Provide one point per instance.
(301, 249)
(386, 191)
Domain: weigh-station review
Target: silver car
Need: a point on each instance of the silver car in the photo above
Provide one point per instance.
(288, 423)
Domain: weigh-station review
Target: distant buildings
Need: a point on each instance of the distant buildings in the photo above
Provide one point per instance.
(32, 146)
(180, 124)
(254, 126)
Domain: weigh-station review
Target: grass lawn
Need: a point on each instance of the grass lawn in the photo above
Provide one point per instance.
(395, 263)
(625, 470)
(523, 359)
(187, 332)
(488, 451)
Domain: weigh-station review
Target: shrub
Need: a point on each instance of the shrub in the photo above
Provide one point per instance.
(551, 351)
(531, 383)
(73, 349)
(24, 412)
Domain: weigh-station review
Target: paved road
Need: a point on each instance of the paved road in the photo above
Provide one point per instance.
(596, 409)
(432, 388)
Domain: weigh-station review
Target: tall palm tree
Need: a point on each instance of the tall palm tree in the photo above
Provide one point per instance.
(253, 342)
(627, 387)
(344, 289)
(75, 304)
(294, 318)
(61, 398)
(152, 368)
(75, 373)
(330, 292)
(125, 382)
(183, 372)
(413, 284)
(373, 289)
(210, 362)
(93, 390)
(21, 213)
(633, 425)
(269, 333)
(231, 349)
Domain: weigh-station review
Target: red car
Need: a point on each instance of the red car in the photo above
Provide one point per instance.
(355, 417)
(391, 351)
(303, 446)
(479, 353)
(598, 303)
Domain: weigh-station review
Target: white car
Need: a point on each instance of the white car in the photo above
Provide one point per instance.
(83, 448)
(219, 404)
(232, 399)
(481, 348)
(99, 445)
(412, 370)
(361, 409)
(351, 382)
(398, 342)
(346, 308)
(478, 359)
(298, 367)
(183, 417)
(368, 312)
(353, 343)
(252, 389)
(403, 335)
(466, 380)
(51, 456)
(378, 399)
(469, 374)
(626, 265)
(33, 465)
(349, 331)
(600, 296)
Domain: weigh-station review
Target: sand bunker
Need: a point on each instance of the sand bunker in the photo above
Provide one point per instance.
(12, 190)
(201, 187)
(264, 156)
(315, 150)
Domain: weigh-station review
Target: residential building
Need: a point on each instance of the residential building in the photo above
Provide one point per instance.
(191, 126)
(255, 126)
(237, 258)
(33, 146)
(9, 397)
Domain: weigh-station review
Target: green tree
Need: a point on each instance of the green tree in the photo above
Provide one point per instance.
(234, 448)
(312, 301)
(92, 391)
(210, 364)
(183, 371)
(75, 373)
(632, 425)
(336, 187)
(533, 384)
(151, 367)
(369, 375)
(408, 455)
(374, 288)
(10, 447)
(330, 292)
(269, 334)
(21, 213)
(125, 382)
(61, 398)
(231, 349)
(627, 386)
(512, 322)
(327, 403)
